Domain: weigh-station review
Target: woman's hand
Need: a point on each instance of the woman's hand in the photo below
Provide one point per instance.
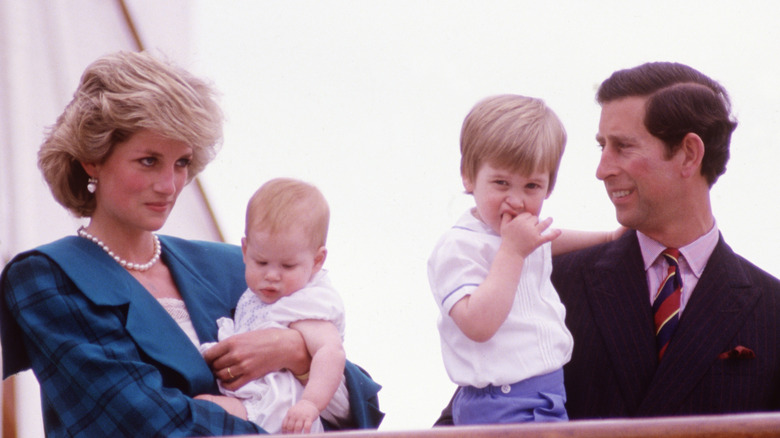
(248, 356)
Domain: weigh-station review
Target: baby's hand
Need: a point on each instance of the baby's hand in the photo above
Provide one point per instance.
(524, 232)
(300, 417)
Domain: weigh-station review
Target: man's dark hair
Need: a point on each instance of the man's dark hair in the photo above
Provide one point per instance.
(680, 100)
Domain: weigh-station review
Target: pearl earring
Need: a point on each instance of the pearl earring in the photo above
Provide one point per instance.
(92, 185)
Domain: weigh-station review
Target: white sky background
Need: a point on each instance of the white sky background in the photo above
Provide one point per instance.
(365, 99)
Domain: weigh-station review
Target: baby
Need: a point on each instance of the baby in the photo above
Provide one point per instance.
(284, 250)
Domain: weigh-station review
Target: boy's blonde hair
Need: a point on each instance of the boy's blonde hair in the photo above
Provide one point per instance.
(282, 203)
(519, 133)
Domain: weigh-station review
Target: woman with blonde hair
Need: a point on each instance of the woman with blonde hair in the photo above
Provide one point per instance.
(109, 319)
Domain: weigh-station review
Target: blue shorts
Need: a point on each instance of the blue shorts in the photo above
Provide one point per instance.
(539, 398)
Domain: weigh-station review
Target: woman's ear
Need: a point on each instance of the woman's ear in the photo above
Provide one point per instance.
(90, 168)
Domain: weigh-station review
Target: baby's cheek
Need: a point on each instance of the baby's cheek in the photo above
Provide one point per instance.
(251, 276)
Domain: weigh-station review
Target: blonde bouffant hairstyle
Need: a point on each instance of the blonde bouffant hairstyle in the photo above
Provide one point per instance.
(519, 133)
(119, 95)
(282, 203)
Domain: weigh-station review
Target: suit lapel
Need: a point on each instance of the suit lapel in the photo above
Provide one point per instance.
(617, 288)
(721, 301)
(106, 283)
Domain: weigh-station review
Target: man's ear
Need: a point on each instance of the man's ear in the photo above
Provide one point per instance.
(692, 150)
(319, 258)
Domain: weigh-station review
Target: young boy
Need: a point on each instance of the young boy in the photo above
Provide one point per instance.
(502, 329)
(284, 250)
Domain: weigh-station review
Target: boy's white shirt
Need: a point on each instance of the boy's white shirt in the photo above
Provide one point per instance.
(532, 341)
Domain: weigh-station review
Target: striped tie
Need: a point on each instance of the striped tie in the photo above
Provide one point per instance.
(666, 305)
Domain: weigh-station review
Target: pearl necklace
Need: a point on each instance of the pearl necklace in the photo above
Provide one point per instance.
(125, 264)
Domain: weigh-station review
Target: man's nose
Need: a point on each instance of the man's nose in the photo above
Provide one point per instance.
(606, 164)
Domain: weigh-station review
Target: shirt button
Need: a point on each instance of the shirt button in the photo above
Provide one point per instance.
(505, 389)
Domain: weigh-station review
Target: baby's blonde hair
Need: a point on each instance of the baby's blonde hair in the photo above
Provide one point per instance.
(282, 203)
(519, 133)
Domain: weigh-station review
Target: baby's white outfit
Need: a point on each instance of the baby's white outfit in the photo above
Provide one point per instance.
(268, 398)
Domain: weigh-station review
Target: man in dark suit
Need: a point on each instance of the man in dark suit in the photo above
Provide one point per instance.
(665, 131)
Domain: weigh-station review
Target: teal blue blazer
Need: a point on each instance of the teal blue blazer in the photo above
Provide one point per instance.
(109, 358)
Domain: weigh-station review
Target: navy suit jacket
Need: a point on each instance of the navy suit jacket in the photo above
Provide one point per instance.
(614, 370)
(109, 359)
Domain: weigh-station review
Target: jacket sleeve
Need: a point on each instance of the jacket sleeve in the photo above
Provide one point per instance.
(94, 381)
(363, 400)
